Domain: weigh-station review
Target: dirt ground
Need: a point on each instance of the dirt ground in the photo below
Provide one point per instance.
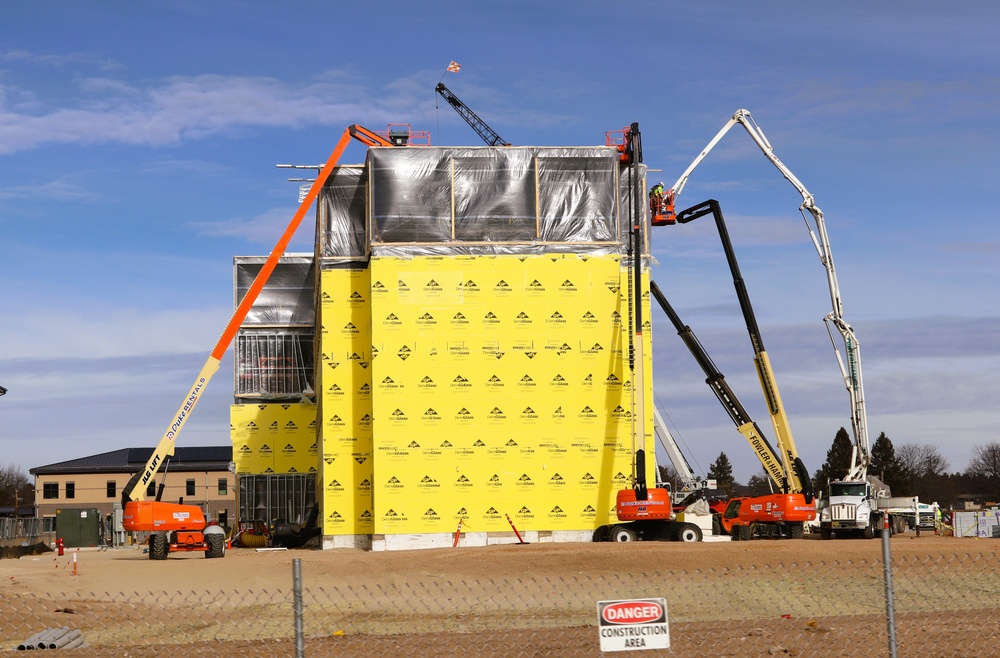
(247, 570)
(410, 591)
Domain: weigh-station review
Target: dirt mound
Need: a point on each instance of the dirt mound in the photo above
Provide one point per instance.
(15, 552)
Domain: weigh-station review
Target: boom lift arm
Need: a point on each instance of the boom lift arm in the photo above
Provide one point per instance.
(482, 129)
(674, 454)
(795, 471)
(767, 455)
(851, 372)
(135, 489)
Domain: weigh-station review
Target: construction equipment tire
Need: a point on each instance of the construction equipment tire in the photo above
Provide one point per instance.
(621, 533)
(796, 530)
(688, 533)
(602, 534)
(216, 545)
(158, 546)
(745, 533)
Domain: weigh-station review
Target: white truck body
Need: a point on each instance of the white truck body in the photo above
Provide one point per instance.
(859, 505)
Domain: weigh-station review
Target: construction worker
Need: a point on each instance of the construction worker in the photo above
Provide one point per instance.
(656, 199)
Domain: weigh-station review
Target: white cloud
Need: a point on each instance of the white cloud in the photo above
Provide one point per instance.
(68, 333)
(61, 189)
(264, 228)
(193, 107)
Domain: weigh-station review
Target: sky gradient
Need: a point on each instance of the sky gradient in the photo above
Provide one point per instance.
(138, 147)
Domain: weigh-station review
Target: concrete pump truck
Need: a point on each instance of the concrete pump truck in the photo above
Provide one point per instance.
(855, 503)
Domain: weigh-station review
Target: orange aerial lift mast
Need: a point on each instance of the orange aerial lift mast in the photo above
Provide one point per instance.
(180, 527)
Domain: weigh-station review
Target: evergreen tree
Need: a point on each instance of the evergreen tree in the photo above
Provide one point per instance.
(757, 485)
(722, 472)
(884, 464)
(838, 461)
(669, 474)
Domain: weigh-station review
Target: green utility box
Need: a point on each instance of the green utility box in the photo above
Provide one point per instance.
(78, 528)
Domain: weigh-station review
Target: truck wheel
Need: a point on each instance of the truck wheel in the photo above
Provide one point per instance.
(158, 546)
(825, 533)
(216, 545)
(745, 533)
(621, 533)
(796, 530)
(869, 531)
(688, 532)
(716, 526)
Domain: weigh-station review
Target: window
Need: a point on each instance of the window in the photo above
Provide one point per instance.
(151, 490)
(50, 490)
(189, 489)
(274, 366)
(223, 486)
(71, 490)
(112, 489)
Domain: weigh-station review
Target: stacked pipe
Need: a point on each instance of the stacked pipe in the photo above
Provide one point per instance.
(54, 638)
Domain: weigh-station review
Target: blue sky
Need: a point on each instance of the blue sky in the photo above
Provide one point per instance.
(138, 146)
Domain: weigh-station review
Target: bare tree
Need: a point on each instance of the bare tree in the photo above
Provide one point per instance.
(984, 470)
(921, 460)
(924, 472)
(985, 461)
(15, 487)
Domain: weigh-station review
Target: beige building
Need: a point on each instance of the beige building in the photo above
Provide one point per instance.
(197, 475)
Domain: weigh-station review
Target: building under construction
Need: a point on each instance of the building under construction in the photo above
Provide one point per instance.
(458, 355)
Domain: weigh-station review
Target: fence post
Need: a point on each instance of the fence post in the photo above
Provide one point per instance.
(890, 606)
(300, 641)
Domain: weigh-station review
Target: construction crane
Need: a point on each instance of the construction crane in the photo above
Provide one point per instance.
(488, 135)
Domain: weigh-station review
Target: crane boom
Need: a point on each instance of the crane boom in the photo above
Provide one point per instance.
(851, 371)
(482, 129)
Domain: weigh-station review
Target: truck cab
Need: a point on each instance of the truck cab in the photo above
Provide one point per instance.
(849, 508)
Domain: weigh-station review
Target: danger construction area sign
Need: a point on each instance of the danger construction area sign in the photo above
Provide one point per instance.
(633, 624)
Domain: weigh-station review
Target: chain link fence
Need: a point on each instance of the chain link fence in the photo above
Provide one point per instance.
(943, 607)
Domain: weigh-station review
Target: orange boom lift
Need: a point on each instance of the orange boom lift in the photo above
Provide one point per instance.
(176, 526)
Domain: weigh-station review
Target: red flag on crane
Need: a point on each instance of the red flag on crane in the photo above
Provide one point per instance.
(454, 66)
